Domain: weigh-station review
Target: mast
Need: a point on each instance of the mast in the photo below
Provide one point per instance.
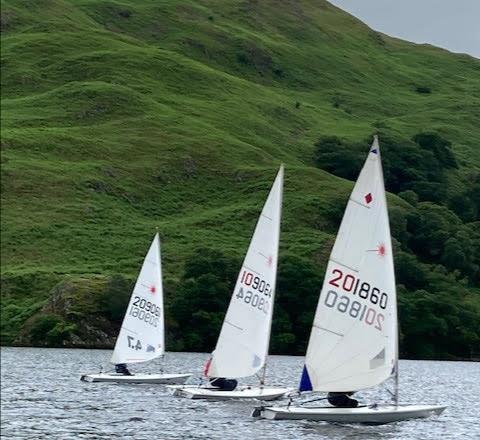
(159, 253)
(396, 387)
(396, 379)
(264, 371)
(395, 397)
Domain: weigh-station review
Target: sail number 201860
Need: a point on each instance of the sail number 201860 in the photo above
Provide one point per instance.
(355, 309)
(355, 286)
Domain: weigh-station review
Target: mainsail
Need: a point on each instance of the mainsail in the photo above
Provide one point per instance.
(242, 346)
(141, 336)
(354, 335)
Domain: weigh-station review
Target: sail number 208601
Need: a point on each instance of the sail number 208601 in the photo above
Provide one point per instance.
(256, 292)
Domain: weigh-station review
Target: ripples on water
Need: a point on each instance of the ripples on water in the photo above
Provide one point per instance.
(43, 398)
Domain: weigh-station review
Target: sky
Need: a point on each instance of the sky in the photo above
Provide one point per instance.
(451, 24)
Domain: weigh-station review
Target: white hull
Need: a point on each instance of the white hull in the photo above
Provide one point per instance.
(136, 378)
(241, 392)
(370, 415)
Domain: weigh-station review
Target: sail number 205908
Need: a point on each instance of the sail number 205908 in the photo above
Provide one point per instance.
(145, 311)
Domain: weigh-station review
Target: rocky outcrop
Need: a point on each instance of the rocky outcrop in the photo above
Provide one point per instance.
(77, 315)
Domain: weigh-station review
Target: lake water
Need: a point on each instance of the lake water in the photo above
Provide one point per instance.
(43, 398)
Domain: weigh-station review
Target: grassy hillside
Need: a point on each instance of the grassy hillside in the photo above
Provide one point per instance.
(122, 116)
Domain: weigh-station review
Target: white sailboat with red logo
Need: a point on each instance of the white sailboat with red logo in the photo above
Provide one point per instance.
(142, 335)
(354, 340)
(242, 346)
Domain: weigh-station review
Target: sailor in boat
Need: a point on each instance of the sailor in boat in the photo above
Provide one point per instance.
(342, 400)
(122, 369)
(223, 384)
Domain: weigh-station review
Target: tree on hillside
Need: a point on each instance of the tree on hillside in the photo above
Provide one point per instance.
(336, 156)
(439, 146)
(298, 288)
(409, 165)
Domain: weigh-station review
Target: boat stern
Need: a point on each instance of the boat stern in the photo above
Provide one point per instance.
(86, 378)
(180, 391)
(264, 412)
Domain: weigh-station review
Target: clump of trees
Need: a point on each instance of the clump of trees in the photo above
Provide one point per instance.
(113, 301)
(439, 324)
(201, 298)
(419, 164)
(50, 330)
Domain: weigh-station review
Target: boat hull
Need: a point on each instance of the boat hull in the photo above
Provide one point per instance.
(136, 378)
(375, 415)
(241, 392)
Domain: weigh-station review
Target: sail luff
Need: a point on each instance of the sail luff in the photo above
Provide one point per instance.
(161, 350)
(280, 204)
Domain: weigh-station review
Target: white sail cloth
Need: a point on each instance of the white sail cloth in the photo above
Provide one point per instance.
(353, 343)
(242, 346)
(141, 336)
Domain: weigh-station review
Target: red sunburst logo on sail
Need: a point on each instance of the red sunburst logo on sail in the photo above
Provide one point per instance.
(153, 290)
(270, 261)
(382, 250)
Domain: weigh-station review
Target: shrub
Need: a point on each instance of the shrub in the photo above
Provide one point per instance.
(49, 329)
(114, 300)
(423, 89)
(201, 299)
(334, 155)
(441, 148)
(125, 13)
(409, 196)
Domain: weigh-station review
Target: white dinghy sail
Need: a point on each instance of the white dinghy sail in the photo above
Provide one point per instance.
(142, 334)
(242, 346)
(354, 335)
(354, 339)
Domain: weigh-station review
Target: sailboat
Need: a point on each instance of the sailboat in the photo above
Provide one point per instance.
(242, 346)
(142, 334)
(354, 339)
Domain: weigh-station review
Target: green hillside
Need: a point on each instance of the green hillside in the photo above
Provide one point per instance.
(119, 117)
